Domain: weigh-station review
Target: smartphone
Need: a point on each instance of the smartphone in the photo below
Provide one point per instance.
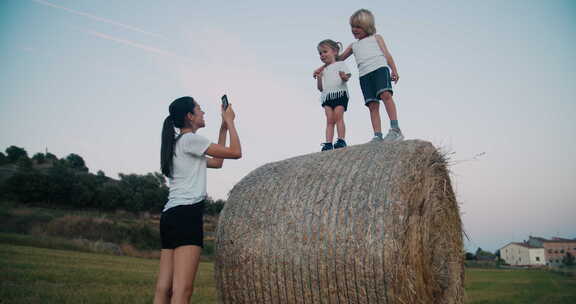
(225, 101)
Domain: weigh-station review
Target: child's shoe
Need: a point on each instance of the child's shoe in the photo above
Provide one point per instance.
(394, 135)
(340, 143)
(327, 146)
(377, 137)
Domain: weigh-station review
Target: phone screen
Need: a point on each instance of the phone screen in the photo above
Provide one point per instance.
(225, 101)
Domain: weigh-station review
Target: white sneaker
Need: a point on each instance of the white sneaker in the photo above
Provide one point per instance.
(394, 135)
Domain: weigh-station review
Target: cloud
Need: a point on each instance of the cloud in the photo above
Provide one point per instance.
(137, 45)
(100, 19)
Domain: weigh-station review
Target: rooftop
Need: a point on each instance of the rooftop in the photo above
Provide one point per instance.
(553, 240)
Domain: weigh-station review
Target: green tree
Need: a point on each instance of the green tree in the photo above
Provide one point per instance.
(59, 190)
(27, 186)
(24, 163)
(39, 158)
(14, 153)
(3, 159)
(111, 196)
(214, 207)
(76, 162)
(51, 157)
(144, 192)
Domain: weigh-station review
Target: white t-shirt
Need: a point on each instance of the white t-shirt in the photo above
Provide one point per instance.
(332, 85)
(368, 55)
(188, 182)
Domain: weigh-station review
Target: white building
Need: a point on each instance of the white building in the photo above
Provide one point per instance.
(522, 254)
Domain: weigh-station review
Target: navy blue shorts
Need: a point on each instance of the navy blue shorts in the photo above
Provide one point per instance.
(182, 225)
(338, 101)
(374, 83)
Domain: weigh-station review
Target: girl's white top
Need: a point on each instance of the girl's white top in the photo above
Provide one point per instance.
(332, 85)
(368, 55)
(188, 182)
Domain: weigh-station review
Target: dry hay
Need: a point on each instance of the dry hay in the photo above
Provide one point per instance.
(373, 223)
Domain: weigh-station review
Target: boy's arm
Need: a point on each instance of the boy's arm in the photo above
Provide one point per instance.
(319, 82)
(318, 71)
(389, 58)
(347, 52)
(344, 76)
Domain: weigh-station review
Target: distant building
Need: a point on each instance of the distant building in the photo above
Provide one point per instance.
(555, 249)
(523, 254)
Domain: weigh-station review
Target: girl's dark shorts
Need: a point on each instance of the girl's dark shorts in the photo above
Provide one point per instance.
(374, 83)
(182, 225)
(339, 101)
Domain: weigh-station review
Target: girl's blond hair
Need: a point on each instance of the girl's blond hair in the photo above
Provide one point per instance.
(363, 19)
(336, 46)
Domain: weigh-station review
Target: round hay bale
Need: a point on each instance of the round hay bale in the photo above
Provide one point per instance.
(372, 223)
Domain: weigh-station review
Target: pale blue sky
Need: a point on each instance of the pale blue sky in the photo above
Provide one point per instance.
(496, 77)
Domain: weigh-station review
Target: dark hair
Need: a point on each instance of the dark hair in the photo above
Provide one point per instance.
(178, 109)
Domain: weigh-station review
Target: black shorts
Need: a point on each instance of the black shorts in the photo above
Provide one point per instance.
(182, 225)
(374, 83)
(338, 101)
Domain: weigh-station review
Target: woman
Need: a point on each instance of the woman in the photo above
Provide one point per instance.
(184, 162)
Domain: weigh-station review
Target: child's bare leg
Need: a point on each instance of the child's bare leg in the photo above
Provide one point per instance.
(339, 118)
(389, 104)
(374, 108)
(330, 121)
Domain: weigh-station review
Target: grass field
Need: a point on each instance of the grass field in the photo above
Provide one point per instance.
(491, 286)
(39, 275)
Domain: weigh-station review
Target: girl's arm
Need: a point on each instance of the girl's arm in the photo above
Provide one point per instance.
(319, 82)
(389, 58)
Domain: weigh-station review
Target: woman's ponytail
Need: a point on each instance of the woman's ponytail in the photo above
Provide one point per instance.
(167, 146)
(178, 109)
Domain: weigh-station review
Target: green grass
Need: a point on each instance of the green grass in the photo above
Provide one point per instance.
(492, 286)
(42, 275)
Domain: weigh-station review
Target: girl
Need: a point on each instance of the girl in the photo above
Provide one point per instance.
(332, 83)
(374, 65)
(183, 160)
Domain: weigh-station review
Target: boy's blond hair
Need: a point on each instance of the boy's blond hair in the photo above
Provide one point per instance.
(363, 19)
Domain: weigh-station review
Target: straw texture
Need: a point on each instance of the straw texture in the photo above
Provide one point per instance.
(372, 223)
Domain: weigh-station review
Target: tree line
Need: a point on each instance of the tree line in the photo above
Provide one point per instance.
(66, 182)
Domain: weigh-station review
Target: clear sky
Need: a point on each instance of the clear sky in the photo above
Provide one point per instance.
(492, 82)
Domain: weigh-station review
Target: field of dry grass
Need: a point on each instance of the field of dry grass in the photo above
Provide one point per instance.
(41, 275)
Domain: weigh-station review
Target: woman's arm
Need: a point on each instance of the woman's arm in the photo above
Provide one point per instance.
(234, 151)
(216, 163)
(389, 59)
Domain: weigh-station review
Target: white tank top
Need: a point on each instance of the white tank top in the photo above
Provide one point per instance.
(332, 85)
(368, 55)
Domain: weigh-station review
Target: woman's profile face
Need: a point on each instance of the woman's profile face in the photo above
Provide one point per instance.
(197, 119)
